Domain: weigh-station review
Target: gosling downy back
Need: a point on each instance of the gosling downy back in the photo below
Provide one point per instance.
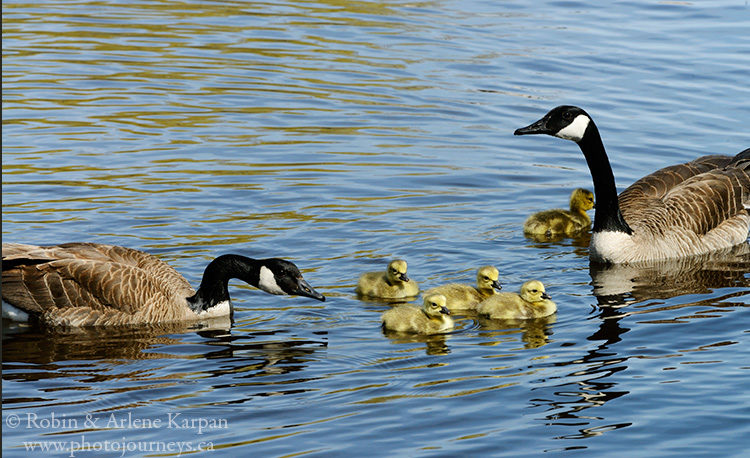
(391, 284)
(556, 222)
(532, 302)
(432, 318)
(465, 297)
(682, 210)
(88, 284)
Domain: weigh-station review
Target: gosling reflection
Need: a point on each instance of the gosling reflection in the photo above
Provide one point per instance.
(435, 344)
(535, 332)
(617, 284)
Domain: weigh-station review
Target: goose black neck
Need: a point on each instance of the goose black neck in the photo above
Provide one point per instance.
(607, 216)
(214, 287)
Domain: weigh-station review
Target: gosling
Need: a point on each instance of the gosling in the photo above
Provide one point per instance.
(466, 297)
(533, 302)
(432, 318)
(559, 222)
(391, 284)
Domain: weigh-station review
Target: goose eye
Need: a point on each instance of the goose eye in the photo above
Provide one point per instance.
(534, 290)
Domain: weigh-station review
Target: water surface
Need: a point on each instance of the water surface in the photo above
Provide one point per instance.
(340, 135)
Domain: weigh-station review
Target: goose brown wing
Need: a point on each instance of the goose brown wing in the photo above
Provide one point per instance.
(658, 184)
(698, 203)
(71, 283)
(101, 277)
(22, 254)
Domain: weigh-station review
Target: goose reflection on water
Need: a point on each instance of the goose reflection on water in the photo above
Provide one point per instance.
(252, 354)
(618, 284)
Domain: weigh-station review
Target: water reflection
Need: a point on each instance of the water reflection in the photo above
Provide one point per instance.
(535, 332)
(618, 284)
(252, 353)
(435, 344)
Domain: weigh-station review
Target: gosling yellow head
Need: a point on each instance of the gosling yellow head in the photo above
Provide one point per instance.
(435, 306)
(487, 279)
(396, 272)
(533, 291)
(581, 200)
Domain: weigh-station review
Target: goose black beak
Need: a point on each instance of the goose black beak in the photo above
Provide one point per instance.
(445, 311)
(545, 296)
(496, 284)
(539, 127)
(304, 289)
(403, 277)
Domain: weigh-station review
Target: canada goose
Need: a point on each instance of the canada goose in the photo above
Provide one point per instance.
(88, 284)
(465, 297)
(682, 210)
(391, 284)
(532, 302)
(432, 318)
(558, 222)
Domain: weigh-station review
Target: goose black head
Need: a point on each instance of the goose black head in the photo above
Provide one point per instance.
(566, 122)
(278, 276)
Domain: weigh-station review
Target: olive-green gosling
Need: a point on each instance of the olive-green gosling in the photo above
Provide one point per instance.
(559, 222)
(466, 297)
(532, 302)
(432, 318)
(391, 284)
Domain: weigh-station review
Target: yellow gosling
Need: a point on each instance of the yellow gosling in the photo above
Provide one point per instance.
(532, 302)
(432, 318)
(466, 297)
(559, 222)
(391, 284)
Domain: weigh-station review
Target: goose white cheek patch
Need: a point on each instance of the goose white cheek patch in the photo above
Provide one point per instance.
(575, 130)
(268, 281)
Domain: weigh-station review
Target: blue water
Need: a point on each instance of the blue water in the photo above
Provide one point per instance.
(340, 135)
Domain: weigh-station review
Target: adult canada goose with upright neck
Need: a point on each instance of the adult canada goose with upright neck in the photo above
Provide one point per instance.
(682, 210)
(88, 284)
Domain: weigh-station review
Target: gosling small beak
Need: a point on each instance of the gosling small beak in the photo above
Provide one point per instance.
(403, 277)
(304, 289)
(496, 284)
(445, 311)
(539, 127)
(545, 296)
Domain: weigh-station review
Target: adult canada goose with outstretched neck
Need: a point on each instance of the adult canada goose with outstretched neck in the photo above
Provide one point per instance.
(88, 284)
(682, 210)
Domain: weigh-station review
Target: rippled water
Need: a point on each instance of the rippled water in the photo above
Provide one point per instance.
(340, 135)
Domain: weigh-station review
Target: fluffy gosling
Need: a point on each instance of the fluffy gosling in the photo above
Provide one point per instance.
(432, 318)
(466, 297)
(391, 284)
(532, 302)
(559, 222)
